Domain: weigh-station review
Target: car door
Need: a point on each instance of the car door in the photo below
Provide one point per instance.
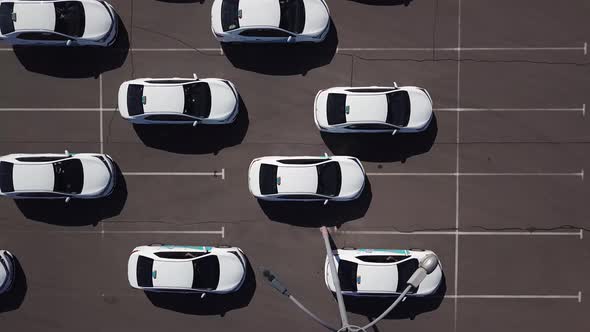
(40, 38)
(168, 119)
(265, 35)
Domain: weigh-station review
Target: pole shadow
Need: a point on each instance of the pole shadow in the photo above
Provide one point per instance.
(283, 59)
(373, 306)
(316, 214)
(77, 212)
(14, 298)
(75, 62)
(202, 139)
(382, 147)
(212, 304)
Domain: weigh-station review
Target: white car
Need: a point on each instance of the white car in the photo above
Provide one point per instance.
(7, 271)
(373, 109)
(380, 272)
(178, 101)
(58, 22)
(270, 21)
(186, 269)
(52, 176)
(339, 178)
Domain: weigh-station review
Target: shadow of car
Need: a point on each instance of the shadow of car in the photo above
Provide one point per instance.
(316, 214)
(211, 304)
(76, 212)
(75, 62)
(373, 306)
(14, 298)
(382, 147)
(202, 139)
(283, 59)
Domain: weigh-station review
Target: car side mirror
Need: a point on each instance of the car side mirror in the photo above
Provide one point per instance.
(195, 76)
(395, 84)
(203, 295)
(67, 152)
(393, 132)
(195, 123)
(69, 42)
(325, 202)
(67, 199)
(290, 39)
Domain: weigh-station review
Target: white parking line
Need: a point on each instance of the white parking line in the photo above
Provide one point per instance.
(214, 173)
(576, 174)
(513, 297)
(533, 109)
(579, 234)
(583, 49)
(49, 109)
(100, 113)
(220, 232)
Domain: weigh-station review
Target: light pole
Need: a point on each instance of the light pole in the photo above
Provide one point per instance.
(427, 265)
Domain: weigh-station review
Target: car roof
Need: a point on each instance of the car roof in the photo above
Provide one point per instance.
(300, 179)
(257, 13)
(172, 273)
(366, 108)
(33, 177)
(34, 15)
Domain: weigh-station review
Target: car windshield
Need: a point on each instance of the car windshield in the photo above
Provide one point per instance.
(229, 15)
(197, 99)
(69, 18)
(336, 108)
(405, 270)
(292, 15)
(6, 184)
(6, 20)
(347, 275)
(144, 271)
(329, 179)
(69, 176)
(206, 272)
(135, 99)
(398, 108)
(268, 179)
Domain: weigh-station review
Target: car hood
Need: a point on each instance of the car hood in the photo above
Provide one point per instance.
(431, 283)
(254, 177)
(97, 176)
(421, 109)
(132, 270)
(172, 274)
(231, 272)
(98, 20)
(353, 178)
(317, 17)
(321, 113)
(223, 100)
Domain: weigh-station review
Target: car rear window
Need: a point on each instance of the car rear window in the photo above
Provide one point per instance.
(398, 108)
(134, 99)
(206, 272)
(347, 275)
(405, 270)
(144, 271)
(6, 184)
(229, 15)
(6, 21)
(268, 179)
(329, 179)
(336, 108)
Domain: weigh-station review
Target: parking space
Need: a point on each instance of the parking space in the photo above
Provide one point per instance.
(496, 185)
